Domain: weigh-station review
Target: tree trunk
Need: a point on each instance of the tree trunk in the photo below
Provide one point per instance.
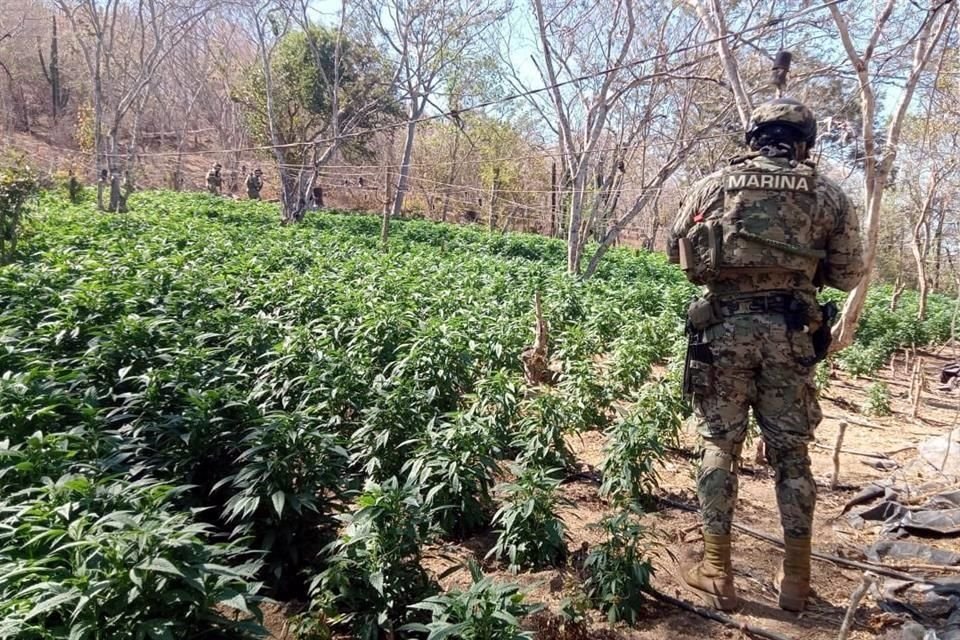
(387, 200)
(404, 174)
(920, 243)
(117, 204)
(575, 220)
(21, 120)
(554, 211)
(493, 199)
(451, 176)
(712, 16)
(899, 286)
(938, 255)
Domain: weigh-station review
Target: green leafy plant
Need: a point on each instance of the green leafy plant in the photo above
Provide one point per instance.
(42, 456)
(84, 558)
(18, 183)
(858, 360)
(545, 421)
(632, 451)
(285, 491)
(498, 397)
(530, 532)
(821, 376)
(455, 467)
(878, 399)
(618, 574)
(485, 611)
(374, 571)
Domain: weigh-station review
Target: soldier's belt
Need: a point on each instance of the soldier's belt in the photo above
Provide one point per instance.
(761, 303)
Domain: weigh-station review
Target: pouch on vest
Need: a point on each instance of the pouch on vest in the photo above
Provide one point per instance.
(700, 251)
(702, 314)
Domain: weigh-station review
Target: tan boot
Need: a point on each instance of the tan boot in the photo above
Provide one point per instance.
(712, 579)
(793, 578)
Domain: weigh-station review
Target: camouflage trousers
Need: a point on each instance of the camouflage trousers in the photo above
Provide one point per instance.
(755, 367)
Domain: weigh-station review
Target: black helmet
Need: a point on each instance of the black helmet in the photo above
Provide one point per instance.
(784, 111)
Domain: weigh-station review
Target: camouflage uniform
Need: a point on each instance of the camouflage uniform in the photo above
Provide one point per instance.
(761, 234)
(758, 362)
(254, 184)
(214, 180)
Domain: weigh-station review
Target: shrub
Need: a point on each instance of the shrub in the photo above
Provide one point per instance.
(374, 571)
(530, 532)
(288, 480)
(83, 558)
(821, 376)
(878, 399)
(498, 397)
(18, 183)
(618, 574)
(455, 469)
(860, 361)
(485, 611)
(545, 419)
(41, 456)
(632, 451)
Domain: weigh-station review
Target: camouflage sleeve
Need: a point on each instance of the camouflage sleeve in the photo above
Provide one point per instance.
(843, 267)
(702, 198)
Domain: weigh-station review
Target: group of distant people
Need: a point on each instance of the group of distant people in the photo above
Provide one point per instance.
(253, 181)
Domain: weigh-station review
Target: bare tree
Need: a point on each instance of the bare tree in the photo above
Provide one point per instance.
(712, 15)
(879, 158)
(929, 167)
(124, 45)
(425, 39)
(20, 112)
(351, 105)
(624, 110)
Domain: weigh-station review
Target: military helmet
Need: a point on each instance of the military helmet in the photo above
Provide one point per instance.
(784, 111)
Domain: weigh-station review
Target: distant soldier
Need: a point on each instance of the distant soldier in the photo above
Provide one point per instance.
(254, 184)
(118, 203)
(214, 179)
(74, 188)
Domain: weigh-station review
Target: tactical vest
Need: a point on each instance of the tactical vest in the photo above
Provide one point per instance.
(766, 225)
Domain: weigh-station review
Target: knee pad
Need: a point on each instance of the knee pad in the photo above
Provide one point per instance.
(724, 456)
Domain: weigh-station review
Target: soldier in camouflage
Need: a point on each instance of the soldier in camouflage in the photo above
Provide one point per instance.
(254, 184)
(214, 179)
(761, 234)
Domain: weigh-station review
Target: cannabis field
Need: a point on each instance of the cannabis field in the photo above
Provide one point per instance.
(201, 409)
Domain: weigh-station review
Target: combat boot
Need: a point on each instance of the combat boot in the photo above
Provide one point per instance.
(712, 579)
(793, 578)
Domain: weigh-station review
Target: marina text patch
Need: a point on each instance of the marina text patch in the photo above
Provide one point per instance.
(773, 181)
